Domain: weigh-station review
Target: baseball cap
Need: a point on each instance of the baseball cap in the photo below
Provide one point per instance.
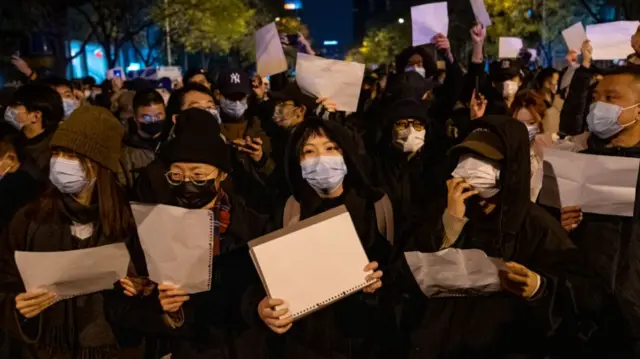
(482, 142)
(506, 69)
(234, 81)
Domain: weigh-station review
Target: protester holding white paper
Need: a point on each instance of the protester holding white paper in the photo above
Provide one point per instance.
(489, 209)
(611, 242)
(324, 173)
(196, 175)
(84, 208)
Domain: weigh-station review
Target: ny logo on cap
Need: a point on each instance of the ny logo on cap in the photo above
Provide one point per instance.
(235, 78)
(506, 64)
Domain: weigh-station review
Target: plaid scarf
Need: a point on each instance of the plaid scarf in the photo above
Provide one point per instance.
(221, 219)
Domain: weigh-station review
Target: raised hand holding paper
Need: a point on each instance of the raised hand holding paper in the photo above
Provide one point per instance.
(427, 21)
(72, 273)
(510, 47)
(269, 53)
(339, 81)
(612, 41)
(481, 12)
(574, 37)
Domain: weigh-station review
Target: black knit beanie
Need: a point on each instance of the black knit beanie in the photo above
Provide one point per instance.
(198, 140)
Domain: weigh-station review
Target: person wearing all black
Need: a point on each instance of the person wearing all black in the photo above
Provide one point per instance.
(324, 172)
(219, 323)
(404, 164)
(540, 317)
(143, 137)
(35, 110)
(612, 243)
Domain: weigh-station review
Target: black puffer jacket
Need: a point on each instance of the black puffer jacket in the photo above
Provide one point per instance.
(612, 247)
(500, 325)
(360, 326)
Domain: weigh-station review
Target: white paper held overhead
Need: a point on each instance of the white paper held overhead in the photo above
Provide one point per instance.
(574, 37)
(178, 245)
(612, 40)
(73, 273)
(480, 11)
(427, 21)
(269, 53)
(510, 47)
(598, 184)
(339, 81)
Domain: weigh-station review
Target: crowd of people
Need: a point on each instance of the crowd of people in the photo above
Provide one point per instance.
(447, 157)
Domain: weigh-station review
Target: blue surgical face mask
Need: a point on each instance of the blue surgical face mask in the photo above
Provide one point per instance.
(417, 69)
(69, 106)
(324, 173)
(603, 119)
(68, 175)
(11, 117)
(234, 109)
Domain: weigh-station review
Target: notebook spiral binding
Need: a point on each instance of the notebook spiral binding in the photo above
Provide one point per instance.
(211, 246)
(330, 300)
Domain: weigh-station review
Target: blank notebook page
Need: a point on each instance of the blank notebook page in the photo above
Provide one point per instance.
(312, 263)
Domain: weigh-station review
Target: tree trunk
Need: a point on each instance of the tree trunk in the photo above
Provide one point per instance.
(58, 48)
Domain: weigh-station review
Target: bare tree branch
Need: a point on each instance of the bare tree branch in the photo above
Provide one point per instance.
(82, 48)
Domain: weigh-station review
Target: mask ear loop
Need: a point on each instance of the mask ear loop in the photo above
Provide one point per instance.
(637, 115)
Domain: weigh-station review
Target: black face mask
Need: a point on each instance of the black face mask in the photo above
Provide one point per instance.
(191, 196)
(152, 128)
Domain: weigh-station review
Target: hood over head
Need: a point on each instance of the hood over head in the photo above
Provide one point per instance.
(429, 59)
(515, 173)
(356, 178)
(409, 85)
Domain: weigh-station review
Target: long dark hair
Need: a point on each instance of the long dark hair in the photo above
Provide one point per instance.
(114, 213)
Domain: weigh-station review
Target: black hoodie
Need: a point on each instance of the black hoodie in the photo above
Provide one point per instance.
(501, 325)
(358, 326)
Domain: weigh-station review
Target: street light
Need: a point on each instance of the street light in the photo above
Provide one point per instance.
(277, 19)
(400, 21)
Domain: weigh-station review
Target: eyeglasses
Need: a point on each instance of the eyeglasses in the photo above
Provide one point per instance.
(147, 118)
(404, 124)
(177, 178)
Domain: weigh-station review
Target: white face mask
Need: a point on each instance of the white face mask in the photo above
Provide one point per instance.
(481, 174)
(417, 69)
(509, 88)
(410, 140)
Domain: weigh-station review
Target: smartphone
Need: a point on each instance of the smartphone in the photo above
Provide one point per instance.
(477, 88)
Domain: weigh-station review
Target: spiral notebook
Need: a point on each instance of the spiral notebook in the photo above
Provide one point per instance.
(313, 263)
